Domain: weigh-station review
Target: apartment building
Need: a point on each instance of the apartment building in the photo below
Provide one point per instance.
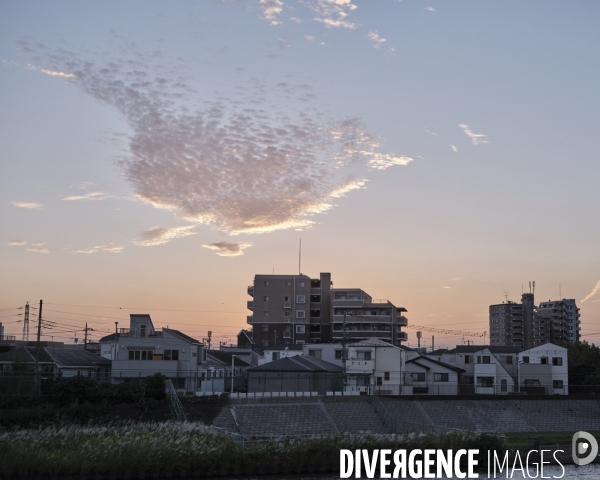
(544, 369)
(511, 323)
(295, 309)
(557, 321)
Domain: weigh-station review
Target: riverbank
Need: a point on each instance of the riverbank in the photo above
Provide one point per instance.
(192, 450)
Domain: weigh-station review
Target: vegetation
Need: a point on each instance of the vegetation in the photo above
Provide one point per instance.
(584, 367)
(168, 448)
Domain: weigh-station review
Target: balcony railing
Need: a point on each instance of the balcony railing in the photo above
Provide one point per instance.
(250, 304)
(8, 338)
(249, 319)
(251, 290)
(360, 366)
(403, 336)
(287, 304)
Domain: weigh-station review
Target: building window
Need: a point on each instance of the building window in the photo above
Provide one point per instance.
(299, 342)
(544, 360)
(140, 354)
(315, 329)
(468, 359)
(315, 313)
(379, 382)
(386, 375)
(143, 331)
(171, 355)
(266, 298)
(557, 384)
(418, 377)
(288, 284)
(266, 284)
(265, 328)
(287, 333)
(485, 359)
(338, 354)
(300, 298)
(486, 382)
(525, 359)
(265, 343)
(315, 298)
(557, 361)
(506, 359)
(503, 385)
(300, 329)
(265, 313)
(275, 356)
(440, 377)
(300, 313)
(362, 355)
(315, 353)
(301, 284)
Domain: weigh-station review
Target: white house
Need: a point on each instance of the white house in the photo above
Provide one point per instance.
(330, 352)
(376, 364)
(141, 351)
(544, 370)
(277, 352)
(429, 376)
(491, 375)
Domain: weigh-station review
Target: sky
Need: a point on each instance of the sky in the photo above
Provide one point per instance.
(155, 156)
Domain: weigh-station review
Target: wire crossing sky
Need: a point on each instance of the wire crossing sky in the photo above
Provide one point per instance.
(437, 154)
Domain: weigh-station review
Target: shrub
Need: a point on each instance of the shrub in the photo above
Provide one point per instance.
(76, 389)
(155, 386)
(129, 392)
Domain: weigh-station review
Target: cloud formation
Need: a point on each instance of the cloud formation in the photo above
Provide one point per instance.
(454, 149)
(333, 13)
(228, 249)
(31, 205)
(38, 248)
(161, 235)
(594, 291)
(266, 159)
(106, 247)
(92, 196)
(58, 74)
(376, 39)
(18, 242)
(476, 138)
(430, 9)
(272, 10)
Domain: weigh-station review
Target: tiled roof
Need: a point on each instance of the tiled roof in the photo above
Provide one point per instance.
(225, 358)
(492, 348)
(181, 335)
(298, 363)
(65, 357)
(371, 342)
(422, 358)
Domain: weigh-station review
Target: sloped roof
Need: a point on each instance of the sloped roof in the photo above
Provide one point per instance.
(421, 358)
(298, 363)
(181, 335)
(442, 351)
(225, 358)
(64, 357)
(492, 348)
(245, 333)
(371, 342)
(283, 346)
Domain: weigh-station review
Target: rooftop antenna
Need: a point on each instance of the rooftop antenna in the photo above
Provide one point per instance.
(506, 296)
(418, 339)
(559, 292)
(533, 283)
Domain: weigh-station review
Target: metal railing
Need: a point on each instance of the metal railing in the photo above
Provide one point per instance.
(174, 402)
(381, 410)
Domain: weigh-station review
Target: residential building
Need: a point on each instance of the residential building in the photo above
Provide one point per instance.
(557, 321)
(468, 357)
(295, 309)
(511, 323)
(54, 362)
(429, 376)
(141, 350)
(300, 373)
(277, 352)
(544, 370)
(373, 363)
(219, 368)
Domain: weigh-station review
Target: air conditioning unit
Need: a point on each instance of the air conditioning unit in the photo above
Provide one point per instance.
(287, 304)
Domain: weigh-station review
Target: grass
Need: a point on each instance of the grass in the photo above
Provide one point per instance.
(140, 450)
(518, 439)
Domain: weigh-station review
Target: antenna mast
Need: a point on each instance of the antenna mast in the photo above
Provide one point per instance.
(506, 296)
(26, 323)
(300, 258)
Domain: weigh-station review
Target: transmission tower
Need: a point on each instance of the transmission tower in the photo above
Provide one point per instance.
(26, 323)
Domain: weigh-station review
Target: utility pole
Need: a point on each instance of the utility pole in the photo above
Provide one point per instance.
(344, 354)
(232, 370)
(26, 323)
(116, 339)
(37, 350)
(85, 337)
(209, 335)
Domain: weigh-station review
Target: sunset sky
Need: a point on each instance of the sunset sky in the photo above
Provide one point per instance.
(156, 155)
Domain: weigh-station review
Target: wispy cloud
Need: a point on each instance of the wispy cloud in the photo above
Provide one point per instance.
(333, 13)
(429, 9)
(38, 248)
(92, 196)
(106, 247)
(272, 10)
(454, 149)
(310, 38)
(376, 39)
(52, 73)
(161, 235)
(267, 158)
(31, 205)
(18, 242)
(594, 291)
(227, 249)
(446, 286)
(476, 138)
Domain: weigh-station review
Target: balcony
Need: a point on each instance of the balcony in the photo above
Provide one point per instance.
(360, 366)
(250, 304)
(287, 304)
(249, 319)
(403, 321)
(251, 290)
(8, 338)
(402, 337)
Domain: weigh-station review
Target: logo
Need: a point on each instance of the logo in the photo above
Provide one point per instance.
(584, 448)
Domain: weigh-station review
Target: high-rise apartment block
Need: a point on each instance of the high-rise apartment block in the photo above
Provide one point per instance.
(295, 309)
(525, 326)
(557, 321)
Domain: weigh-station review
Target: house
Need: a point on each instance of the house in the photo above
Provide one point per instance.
(544, 370)
(57, 362)
(429, 376)
(271, 354)
(375, 364)
(330, 352)
(299, 373)
(218, 369)
(141, 351)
